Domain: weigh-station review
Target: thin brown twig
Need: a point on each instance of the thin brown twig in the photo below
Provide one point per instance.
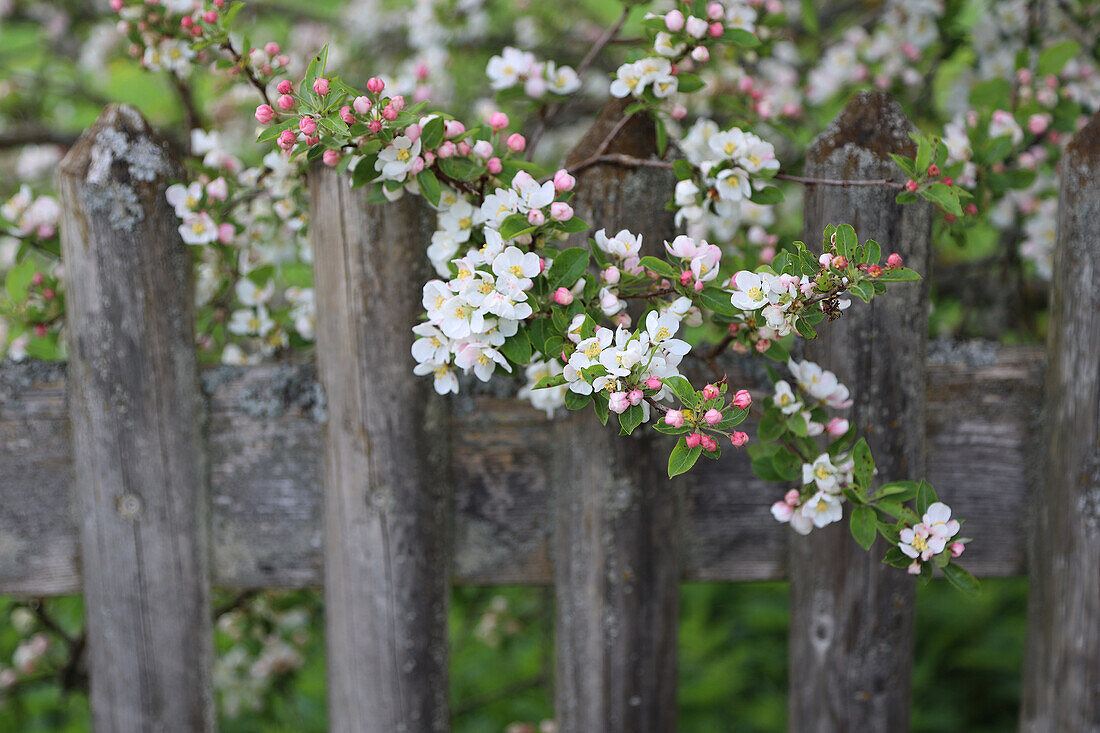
(547, 115)
(651, 294)
(241, 63)
(888, 182)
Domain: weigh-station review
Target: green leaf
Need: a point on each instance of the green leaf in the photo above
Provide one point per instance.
(553, 380)
(662, 135)
(900, 275)
(569, 265)
(961, 579)
(863, 526)
(683, 390)
(905, 197)
(19, 279)
(846, 240)
(924, 153)
(432, 134)
(599, 404)
(740, 37)
(771, 427)
(717, 301)
(576, 224)
(808, 13)
(998, 150)
(899, 490)
(517, 348)
(767, 196)
(874, 252)
(272, 132)
(1054, 58)
(575, 401)
(787, 465)
(897, 510)
(683, 169)
(863, 290)
(805, 329)
(429, 186)
(689, 83)
(513, 226)
(682, 458)
(797, 425)
(777, 352)
(630, 419)
(658, 265)
(864, 464)
(926, 496)
(991, 94)
(765, 469)
(906, 164)
(896, 558)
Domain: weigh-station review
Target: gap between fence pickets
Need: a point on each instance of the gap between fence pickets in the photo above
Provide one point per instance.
(265, 459)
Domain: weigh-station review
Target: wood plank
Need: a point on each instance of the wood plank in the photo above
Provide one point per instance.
(137, 417)
(265, 438)
(851, 636)
(1062, 659)
(384, 471)
(617, 525)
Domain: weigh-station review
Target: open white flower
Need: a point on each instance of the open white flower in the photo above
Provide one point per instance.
(397, 159)
(939, 522)
(785, 398)
(624, 244)
(823, 474)
(822, 509)
(750, 291)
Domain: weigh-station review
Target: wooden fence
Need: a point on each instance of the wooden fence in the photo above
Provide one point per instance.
(139, 479)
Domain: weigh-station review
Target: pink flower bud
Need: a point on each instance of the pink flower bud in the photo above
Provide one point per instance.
(40, 330)
(709, 444)
(264, 114)
(618, 402)
(957, 549)
(635, 396)
(331, 157)
(712, 416)
(37, 279)
(494, 165)
(874, 270)
(285, 87)
(675, 418)
(563, 181)
(711, 392)
(561, 211)
(196, 31)
(611, 275)
(933, 170)
(447, 150)
(674, 21)
(285, 102)
(742, 399)
(498, 121)
(218, 189)
(685, 277)
(837, 426)
(678, 111)
(49, 294)
(272, 49)
(763, 345)
(971, 209)
(700, 54)
(693, 440)
(361, 105)
(313, 140)
(716, 30)
(389, 113)
(307, 125)
(453, 128)
(782, 512)
(840, 262)
(792, 497)
(562, 296)
(226, 232)
(375, 85)
(116, 5)
(1037, 124)
(283, 60)
(320, 86)
(463, 148)
(417, 165)
(893, 261)
(287, 138)
(347, 116)
(210, 16)
(398, 102)
(654, 383)
(623, 319)
(695, 27)
(375, 126)
(516, 142)
(483, 149)
(422, 71)
(536, 217)
(914, 569)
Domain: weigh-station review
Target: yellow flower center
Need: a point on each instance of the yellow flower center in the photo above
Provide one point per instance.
(592, 351)
(516, 270)
(403, 155)
(821, 472)
(919, 543)
(755, 293)
(662, 334)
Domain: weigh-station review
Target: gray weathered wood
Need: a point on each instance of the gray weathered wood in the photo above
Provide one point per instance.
(384, 466)
(137, 417)
(264, 445)
(1062, 661)
(617, 546)
(851, 633)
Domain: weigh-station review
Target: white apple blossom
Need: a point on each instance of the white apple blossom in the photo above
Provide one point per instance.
(822, 509)
(397, 159)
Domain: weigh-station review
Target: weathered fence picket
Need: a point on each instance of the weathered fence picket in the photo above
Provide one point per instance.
(137, 427)
(124, 436)
(1062, 663)
(852, 616)
(617, 560)
(385, 466)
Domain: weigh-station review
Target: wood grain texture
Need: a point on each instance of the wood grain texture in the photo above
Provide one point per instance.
(137, 419)
(264, 444)
(852, 616)
(384, 470)
(618, 537)
(1062, 668)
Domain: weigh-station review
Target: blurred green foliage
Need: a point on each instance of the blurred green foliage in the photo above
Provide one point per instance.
(733, 662)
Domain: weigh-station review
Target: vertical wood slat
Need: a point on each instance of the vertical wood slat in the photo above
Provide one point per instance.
(851, 635)
(1062, 660)
(137, 424)
(384, 474)
(617, 531)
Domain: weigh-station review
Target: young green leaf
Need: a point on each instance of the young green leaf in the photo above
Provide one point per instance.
(682, 458)
(862, 525)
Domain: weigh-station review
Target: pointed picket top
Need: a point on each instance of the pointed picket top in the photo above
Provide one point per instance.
(871, 121)
(119, 162)
(637, 137)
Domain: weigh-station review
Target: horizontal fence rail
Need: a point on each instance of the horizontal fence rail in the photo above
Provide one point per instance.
(265, 438)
